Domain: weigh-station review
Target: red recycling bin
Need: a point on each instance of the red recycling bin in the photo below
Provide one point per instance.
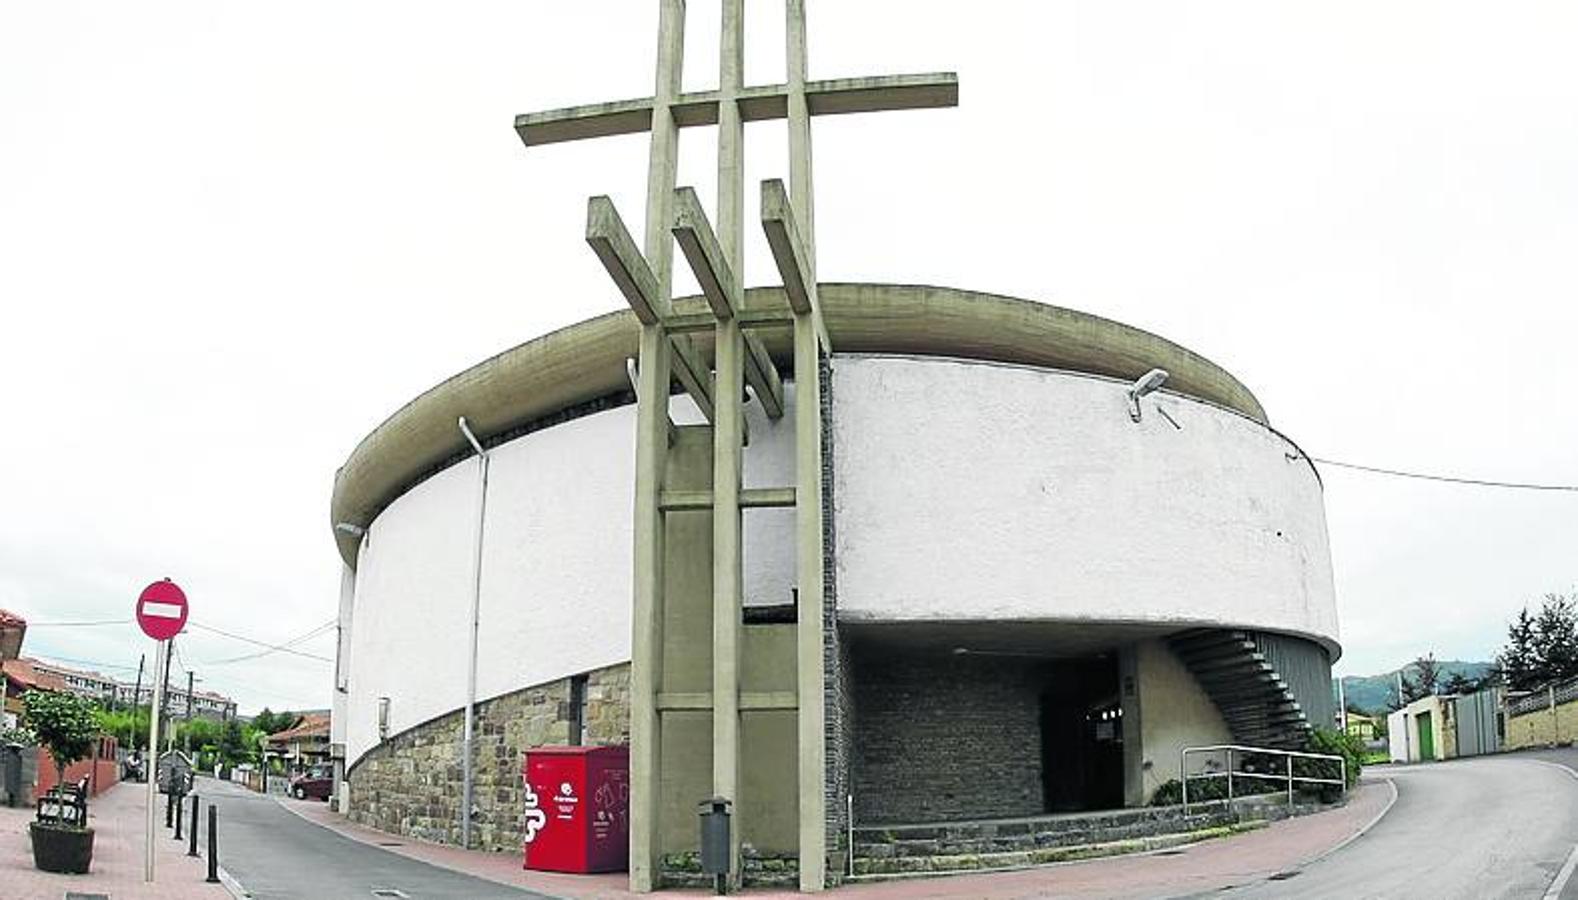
(577, 816)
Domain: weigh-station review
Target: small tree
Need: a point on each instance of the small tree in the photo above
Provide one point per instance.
(64, 723)
(1427, 677)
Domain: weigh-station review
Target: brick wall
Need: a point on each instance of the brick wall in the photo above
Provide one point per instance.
(945, 737)
(412, 784)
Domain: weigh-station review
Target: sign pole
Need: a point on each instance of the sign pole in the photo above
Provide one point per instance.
(161, 613)
(151, 763)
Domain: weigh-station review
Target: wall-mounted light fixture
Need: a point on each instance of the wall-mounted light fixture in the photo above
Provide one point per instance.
(383, 718)
(1148, 383)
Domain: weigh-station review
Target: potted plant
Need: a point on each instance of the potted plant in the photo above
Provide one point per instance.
(66, 726)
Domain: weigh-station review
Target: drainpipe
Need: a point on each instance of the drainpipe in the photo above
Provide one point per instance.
(468, 768)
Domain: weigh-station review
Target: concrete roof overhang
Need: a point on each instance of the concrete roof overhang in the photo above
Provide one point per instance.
(585, 362)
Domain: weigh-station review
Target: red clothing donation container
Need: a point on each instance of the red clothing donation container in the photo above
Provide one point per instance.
(577, 809)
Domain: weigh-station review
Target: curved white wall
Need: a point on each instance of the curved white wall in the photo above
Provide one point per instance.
(556, 569)
(976, 491)
(964, 491)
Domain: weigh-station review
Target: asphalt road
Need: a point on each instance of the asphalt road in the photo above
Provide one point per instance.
(274, 853)
(1479, 828)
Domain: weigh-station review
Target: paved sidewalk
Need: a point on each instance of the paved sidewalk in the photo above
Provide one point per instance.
(1199, 868)
(118, 823)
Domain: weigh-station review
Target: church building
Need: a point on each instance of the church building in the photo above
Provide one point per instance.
(874, 554)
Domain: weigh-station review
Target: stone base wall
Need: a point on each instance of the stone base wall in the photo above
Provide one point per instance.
(412, 784)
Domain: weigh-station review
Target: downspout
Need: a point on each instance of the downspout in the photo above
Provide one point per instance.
(468, 767)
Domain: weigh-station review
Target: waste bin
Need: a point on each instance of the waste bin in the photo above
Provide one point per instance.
(577, 816)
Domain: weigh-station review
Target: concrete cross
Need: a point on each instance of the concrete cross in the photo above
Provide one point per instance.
(644, 277)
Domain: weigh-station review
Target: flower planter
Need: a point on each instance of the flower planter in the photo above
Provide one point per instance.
(65, 850)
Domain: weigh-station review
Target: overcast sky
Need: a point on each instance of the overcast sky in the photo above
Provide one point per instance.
(234, 238)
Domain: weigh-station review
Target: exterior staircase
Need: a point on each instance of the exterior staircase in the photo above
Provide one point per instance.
(1257, 705)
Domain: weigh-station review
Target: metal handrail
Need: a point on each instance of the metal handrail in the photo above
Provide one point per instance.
(1228, 773)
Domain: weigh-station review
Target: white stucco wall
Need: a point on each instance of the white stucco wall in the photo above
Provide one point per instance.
(556, 569)
(978, 491)
(1175, 712)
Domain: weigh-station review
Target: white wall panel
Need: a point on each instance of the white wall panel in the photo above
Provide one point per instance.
(556, 568)
(981, 491)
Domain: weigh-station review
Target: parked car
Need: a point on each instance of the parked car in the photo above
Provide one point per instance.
(317, 784)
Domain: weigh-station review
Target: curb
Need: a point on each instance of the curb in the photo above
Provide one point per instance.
(1391, 802)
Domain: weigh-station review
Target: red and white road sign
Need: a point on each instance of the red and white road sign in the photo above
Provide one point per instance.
(161, 610)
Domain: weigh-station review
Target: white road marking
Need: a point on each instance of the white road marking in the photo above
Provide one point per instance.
(162, 610)
(1566, 873)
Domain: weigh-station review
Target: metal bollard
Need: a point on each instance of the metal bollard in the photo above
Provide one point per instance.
(192, 832)
(169, 807)
(213, 844)
(180, 808)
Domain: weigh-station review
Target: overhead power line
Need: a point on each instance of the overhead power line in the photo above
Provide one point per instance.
(1450, 479)
(268, 647)
(87, 624)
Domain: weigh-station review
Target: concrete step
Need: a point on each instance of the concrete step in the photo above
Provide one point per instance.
(970, 840)
(872, 869)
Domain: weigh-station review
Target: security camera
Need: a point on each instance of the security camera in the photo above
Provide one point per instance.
(1147, 383)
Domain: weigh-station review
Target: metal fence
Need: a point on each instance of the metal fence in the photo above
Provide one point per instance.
(1542, 698)
(1237, 753)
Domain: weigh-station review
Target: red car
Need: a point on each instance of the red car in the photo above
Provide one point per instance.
(317, 784)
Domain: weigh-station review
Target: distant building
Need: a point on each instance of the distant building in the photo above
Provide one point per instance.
(82, 682)
(1363, 727)
(1448, 726)
(18, 676)
(304, 744)
(205, 704)
(107, 690)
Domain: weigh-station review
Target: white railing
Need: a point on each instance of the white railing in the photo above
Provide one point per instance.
(1232, 750)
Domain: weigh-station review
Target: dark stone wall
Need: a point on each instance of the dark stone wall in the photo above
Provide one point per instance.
(945, 737)
(411, 784)
(838, 724)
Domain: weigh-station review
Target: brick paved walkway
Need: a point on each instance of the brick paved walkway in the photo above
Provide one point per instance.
(117, 819)
(1199, 868)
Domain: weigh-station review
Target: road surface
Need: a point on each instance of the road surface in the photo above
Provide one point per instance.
(275, 853)
(1479, 828)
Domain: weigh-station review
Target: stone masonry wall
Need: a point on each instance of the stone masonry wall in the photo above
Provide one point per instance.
(945, 737)
(838, 724)
(411, 784)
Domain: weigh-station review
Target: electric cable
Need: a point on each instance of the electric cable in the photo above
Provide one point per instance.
(1449, 479)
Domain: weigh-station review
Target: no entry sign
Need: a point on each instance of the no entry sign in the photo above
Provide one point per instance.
(161, 610)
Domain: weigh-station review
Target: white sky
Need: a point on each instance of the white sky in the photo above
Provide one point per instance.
(233, 238)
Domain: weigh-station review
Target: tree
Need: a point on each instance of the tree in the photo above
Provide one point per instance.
(1543, 647)
(270, 722)
(1426, 679)
(1518, 663)
(1456, 683)
(1556, 638)
(64, 723)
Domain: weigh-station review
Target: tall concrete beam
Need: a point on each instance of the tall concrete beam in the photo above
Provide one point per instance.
(652, 433)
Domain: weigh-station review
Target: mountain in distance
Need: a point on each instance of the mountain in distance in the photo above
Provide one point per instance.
(1375, 693)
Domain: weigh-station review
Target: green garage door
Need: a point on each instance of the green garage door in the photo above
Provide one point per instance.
(1427, 738)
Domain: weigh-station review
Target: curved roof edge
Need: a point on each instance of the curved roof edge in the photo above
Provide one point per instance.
(585, 362)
